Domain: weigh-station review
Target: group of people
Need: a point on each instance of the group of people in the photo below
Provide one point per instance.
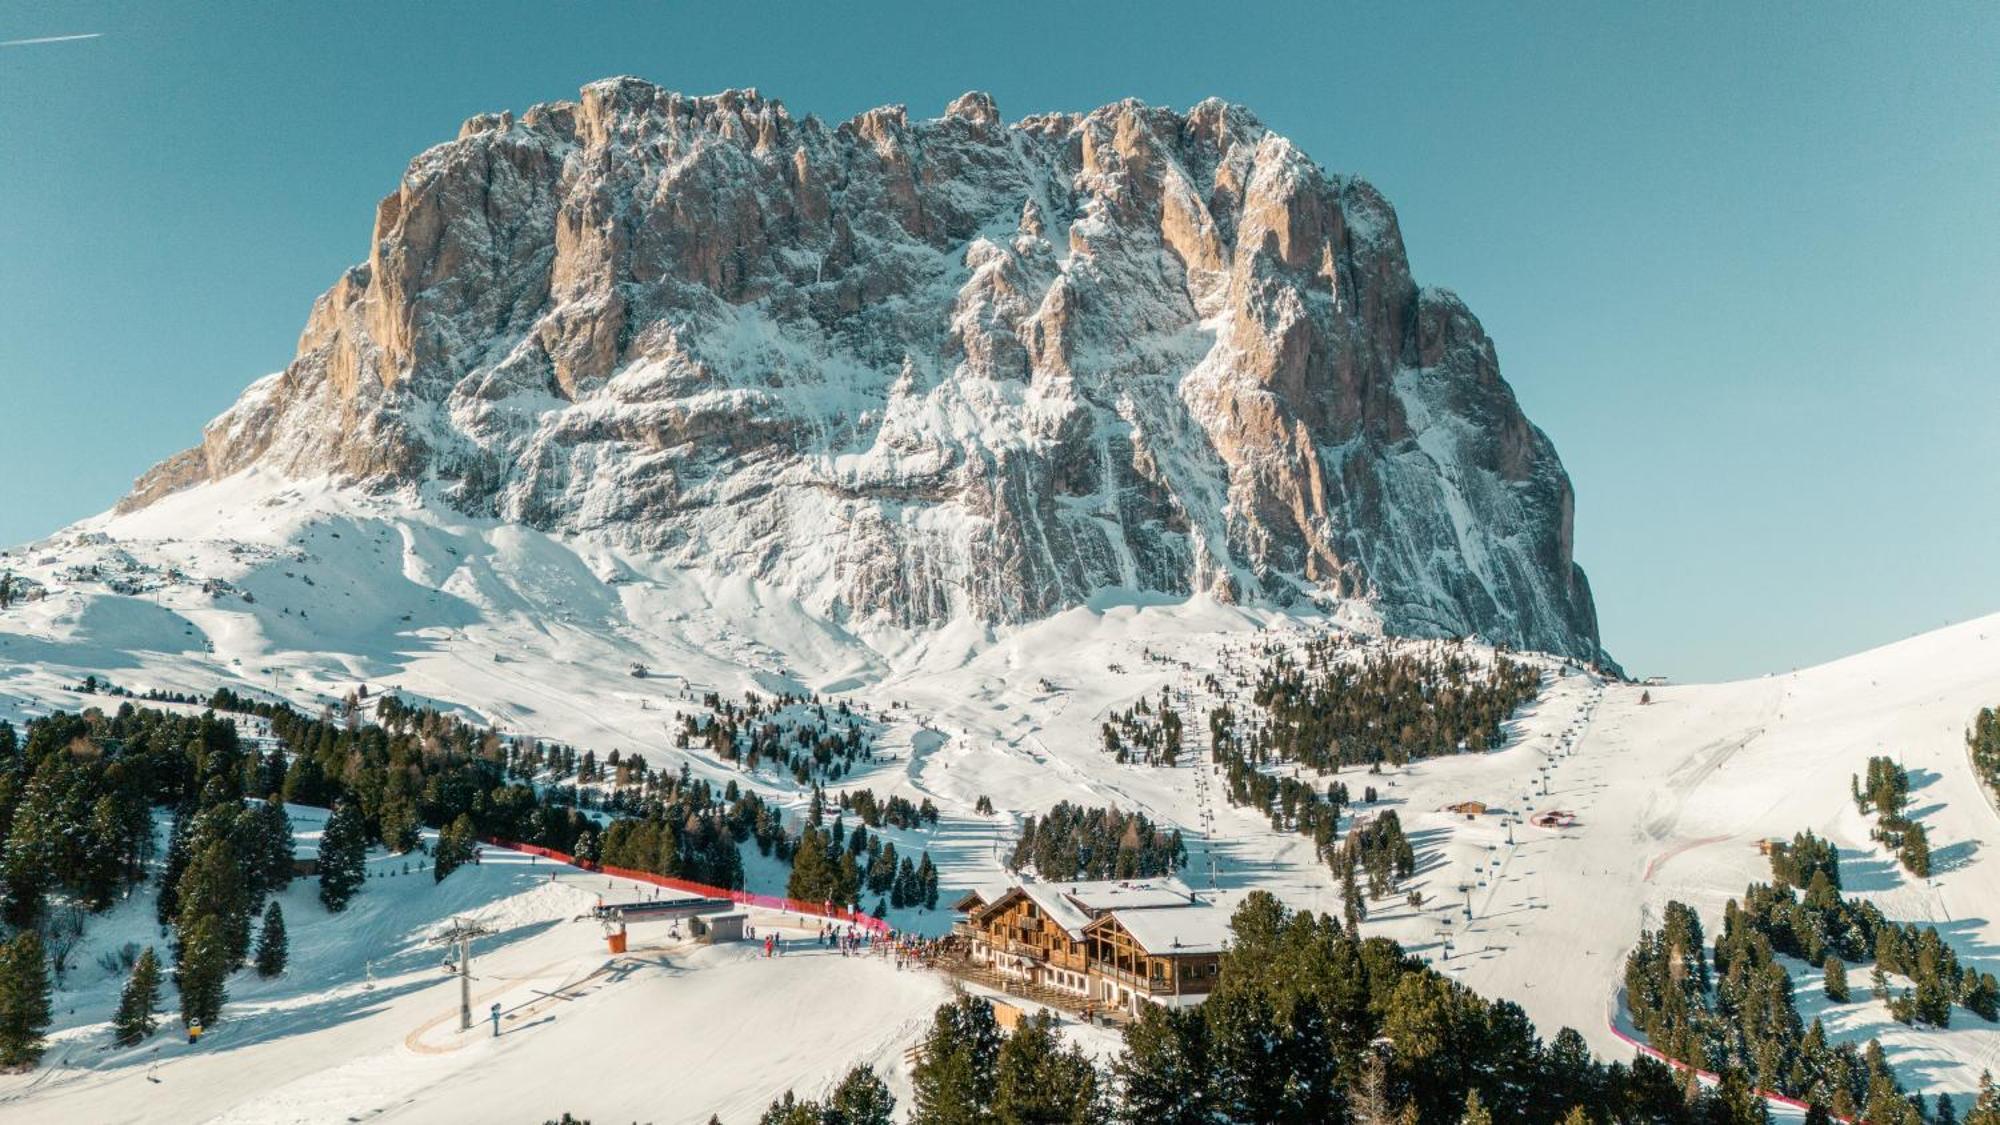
(851, 940)
(912, 950)
(907, 950)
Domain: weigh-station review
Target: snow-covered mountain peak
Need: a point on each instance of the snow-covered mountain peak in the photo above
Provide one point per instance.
(911, 370)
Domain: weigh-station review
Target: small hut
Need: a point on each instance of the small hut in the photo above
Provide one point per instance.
(718, 928)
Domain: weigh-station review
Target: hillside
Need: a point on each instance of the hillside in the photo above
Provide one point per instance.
(537, 635)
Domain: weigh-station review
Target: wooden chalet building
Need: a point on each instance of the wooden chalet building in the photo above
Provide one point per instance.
(1032, 933)
(1162, 956)
(1114, 943)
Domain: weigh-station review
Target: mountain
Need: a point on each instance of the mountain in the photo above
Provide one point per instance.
(914, 370)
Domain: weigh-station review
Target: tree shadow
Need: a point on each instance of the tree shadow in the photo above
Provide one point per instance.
(1425, 841)
(1236, 870)
(1919, 814)
(1866, 872)
(1967, 937)
(1952, 857)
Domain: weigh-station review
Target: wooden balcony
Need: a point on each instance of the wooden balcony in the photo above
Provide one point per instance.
(1152, 986)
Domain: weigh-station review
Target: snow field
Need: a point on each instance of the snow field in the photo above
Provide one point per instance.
(504, 625)
(364, 1024)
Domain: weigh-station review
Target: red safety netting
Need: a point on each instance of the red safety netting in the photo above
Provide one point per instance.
(1646, 1048)
(742, 898)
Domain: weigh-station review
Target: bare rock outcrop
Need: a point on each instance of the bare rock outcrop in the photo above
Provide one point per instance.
(907, 369)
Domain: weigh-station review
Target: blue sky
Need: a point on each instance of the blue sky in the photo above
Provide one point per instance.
(1742, 262)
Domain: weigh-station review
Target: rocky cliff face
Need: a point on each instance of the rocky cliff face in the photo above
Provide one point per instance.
(909, 369)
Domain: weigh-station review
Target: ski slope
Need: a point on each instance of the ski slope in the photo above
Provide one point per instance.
(536, 634)
(364, 1025)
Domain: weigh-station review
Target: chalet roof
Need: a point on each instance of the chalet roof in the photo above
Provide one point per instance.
(1196, 929)
(1046, 899)
(1073, 904)
(1097, 896)
(1057, 908)
(980, 897)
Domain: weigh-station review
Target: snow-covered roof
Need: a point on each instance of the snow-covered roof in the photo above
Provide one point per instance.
(1195, 929)
(981, 895)
(1127, 894)
(1058, 909)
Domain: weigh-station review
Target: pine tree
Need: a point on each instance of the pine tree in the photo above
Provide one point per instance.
(275, 845)
(1740, 1099)
(1038, 1079)
(1312, 1070)
(1836, 979)
(1163, 1073)
(862, 1099)
(32, 852)
(927, 882)
(1247, 1057)
(1986, 1104)
(201, 972)
(847, 881)
(343, 856)
(789, 1110)
(1916, 851)
(455, 847)
(1475, 1110)
(812, 878)
(953, 1084)
(140, 1000)
(24, 1001)
(213, 887)
(168, 904)
(882, 869)
(272, 945)
(400, 826)
(105, 864)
